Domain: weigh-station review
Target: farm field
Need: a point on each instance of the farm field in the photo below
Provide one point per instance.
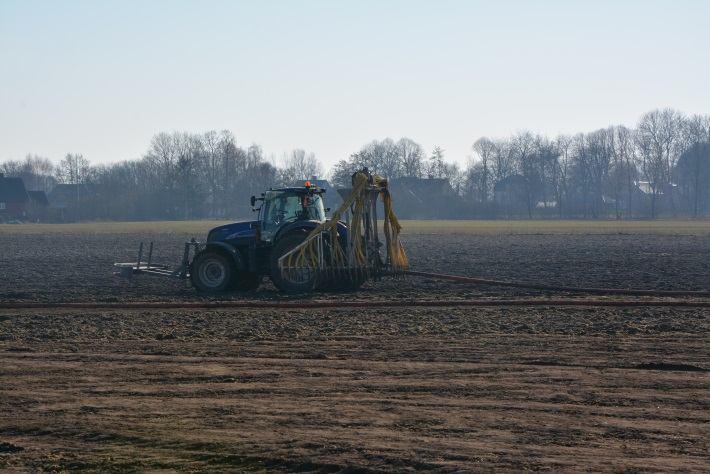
(200, 227)
(446, 389)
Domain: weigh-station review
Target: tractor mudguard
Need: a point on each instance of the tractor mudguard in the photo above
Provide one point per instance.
(304, 225)
(308, 226)
(230, 250)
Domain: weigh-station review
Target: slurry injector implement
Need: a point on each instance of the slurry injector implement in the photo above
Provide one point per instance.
(294, 244)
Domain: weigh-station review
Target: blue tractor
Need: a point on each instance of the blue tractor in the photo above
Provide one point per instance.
(293, 243)
(237, 256)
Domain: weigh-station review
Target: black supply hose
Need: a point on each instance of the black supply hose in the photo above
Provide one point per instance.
(568, 289)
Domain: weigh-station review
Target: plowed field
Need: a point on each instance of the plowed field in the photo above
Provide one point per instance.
(445, 389)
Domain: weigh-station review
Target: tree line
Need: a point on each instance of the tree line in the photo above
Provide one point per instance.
(181, 176)
(660, 167)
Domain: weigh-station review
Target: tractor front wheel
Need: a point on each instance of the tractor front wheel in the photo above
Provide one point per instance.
(212, 272)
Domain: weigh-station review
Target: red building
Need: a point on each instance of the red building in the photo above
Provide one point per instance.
(13, 199)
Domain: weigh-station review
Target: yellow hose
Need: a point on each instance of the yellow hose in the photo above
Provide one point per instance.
(308, 254)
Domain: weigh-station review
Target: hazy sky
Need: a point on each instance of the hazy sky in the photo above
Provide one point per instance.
(102, 77)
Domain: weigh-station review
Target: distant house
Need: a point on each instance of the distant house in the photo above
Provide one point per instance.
(656, 199)
(645, 187)
(315, 181)
(510, 194)
(38, 209)
(38, 198)
(73, 201)
(13, 198)
(423, 188)
(321, 183)
(64, 196)
(426, 198)
(546, 204)
(332, 199)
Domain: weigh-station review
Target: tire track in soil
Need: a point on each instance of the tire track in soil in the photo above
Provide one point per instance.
(389, 389)
(428, 389)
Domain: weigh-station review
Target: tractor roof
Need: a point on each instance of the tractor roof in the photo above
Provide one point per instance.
(300, 190)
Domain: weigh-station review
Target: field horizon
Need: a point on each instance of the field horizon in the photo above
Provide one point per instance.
(474, 227)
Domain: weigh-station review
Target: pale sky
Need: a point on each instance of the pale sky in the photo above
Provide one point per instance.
(102, 77)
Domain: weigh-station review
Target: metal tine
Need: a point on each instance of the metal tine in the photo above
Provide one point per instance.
(150, 254)
(140, 256)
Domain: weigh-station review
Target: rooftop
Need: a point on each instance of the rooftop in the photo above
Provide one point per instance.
(12, 190)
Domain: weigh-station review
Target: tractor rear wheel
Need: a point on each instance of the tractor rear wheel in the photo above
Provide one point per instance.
(212, 272)
(248, 281)
(350, 281)
(343, 279)
(301, 280)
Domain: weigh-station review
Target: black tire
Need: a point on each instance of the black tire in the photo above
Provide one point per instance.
(342, 280)
(248, 281)
(300, 281)
(350, 282)
(213, 272)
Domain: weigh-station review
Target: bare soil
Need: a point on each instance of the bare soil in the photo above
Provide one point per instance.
(78, 267)
(605, 389)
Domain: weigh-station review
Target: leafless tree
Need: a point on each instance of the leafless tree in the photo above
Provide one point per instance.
(623, 171)
(411, 157)
(436, 166)
(73, 169)
(503, 160)
(658, 139)
(380, 156)
(693, 167)
(560, 172)
(485, 151)
(38, 173)
(523, 148)
(299, 165)
(661, 167)
(598, 158)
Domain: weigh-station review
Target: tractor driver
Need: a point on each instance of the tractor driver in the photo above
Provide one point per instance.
(305, 213)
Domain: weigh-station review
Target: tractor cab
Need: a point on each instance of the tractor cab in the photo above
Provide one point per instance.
(289, 207)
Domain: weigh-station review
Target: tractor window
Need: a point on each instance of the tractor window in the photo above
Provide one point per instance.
(281, 207)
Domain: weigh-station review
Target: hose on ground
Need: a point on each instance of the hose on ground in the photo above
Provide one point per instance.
(567, 289)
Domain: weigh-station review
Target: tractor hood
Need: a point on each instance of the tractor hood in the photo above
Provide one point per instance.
(232, 231)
